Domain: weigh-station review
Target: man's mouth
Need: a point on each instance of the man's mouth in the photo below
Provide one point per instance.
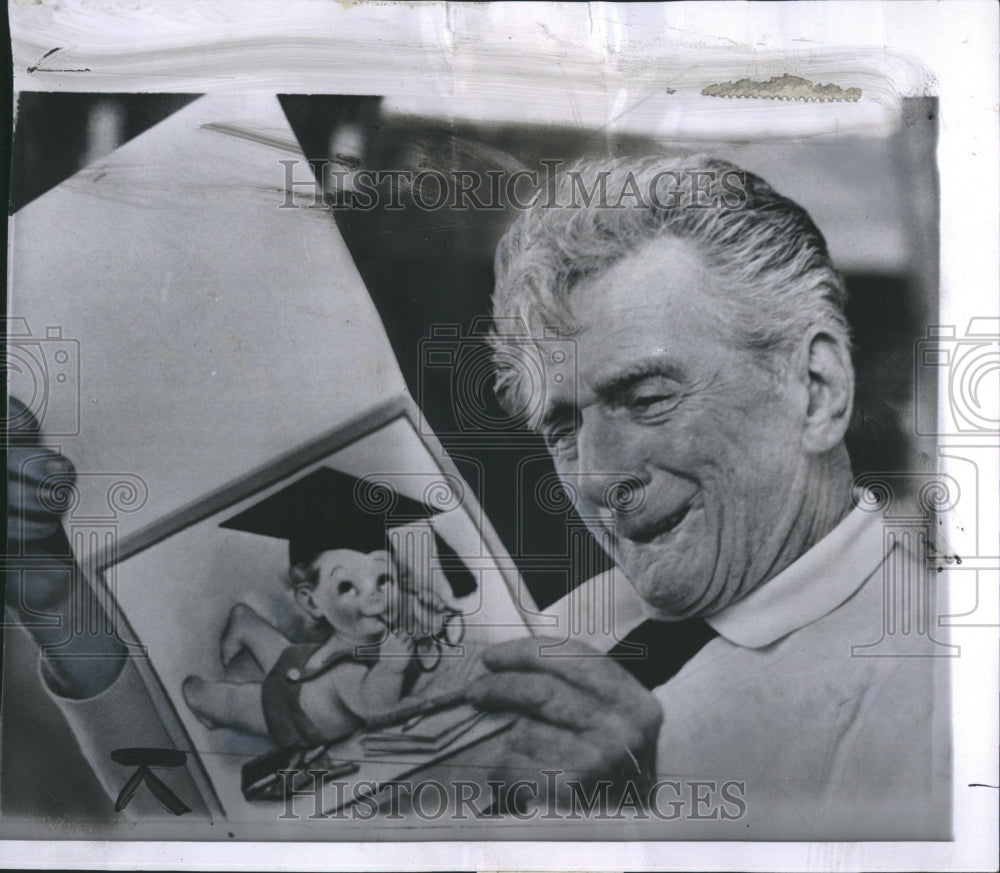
(650, 531)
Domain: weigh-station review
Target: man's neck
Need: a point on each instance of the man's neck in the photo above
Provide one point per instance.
(824, 502)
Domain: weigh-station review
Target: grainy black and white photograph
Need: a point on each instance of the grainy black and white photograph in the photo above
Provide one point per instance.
(466, 425)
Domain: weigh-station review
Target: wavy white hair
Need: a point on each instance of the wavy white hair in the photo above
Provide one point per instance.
(772, 259)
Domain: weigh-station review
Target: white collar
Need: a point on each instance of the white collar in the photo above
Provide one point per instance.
(812, 586)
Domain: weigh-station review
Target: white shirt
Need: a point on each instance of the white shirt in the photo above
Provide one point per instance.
(830, 741)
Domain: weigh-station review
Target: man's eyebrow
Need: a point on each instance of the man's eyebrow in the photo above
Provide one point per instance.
(617, 383)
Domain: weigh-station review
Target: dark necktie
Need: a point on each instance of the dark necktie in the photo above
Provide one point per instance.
(656, 650)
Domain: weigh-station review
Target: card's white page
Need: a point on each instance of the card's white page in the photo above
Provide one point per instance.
(174, 349)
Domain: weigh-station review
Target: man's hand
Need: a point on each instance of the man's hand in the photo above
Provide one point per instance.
(33, 474)
(582, 715)
(41, 577)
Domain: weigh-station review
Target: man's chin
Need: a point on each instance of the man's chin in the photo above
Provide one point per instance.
(667, 612)
(664, 596)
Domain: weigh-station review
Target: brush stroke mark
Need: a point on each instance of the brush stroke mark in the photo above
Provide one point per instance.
(143, 759)
(784, 87)
(38, 68)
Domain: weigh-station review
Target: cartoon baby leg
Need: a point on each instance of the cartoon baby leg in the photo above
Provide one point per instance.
(246, 629)
(226, 704)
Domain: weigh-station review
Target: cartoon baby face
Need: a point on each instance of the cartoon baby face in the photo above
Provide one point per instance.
(351, 592)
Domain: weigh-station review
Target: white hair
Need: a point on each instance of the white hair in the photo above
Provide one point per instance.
(770, 257)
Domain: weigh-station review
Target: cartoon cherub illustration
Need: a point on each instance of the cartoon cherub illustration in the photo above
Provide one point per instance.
(380, 631)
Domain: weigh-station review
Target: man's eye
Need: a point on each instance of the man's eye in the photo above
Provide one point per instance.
(345, 587)
(652, 404)
(383, 580)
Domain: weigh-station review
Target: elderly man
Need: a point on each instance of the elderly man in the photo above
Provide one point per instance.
(712, 386)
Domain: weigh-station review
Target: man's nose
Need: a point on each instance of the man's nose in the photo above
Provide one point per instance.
(609, 469)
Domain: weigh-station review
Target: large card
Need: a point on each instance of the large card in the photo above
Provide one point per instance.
(236, 654)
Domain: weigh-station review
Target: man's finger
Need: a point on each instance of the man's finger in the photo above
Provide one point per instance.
(539, 695)
(23, 529)
(37, 481)
(34, 465)
(572, 662)
(577, 757)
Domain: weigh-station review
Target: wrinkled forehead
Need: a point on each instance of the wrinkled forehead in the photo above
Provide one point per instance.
(655, 309)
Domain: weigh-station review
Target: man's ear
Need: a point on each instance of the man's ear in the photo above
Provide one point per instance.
(825, 364)
(307, 603)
